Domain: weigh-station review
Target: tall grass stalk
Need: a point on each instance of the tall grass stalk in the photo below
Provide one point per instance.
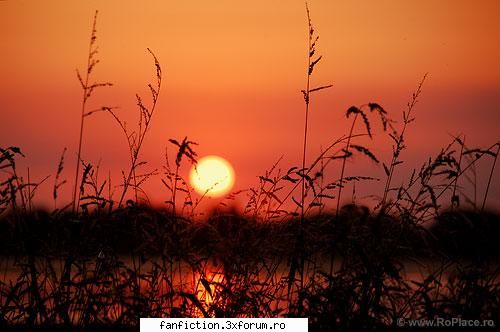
(87, 90)
(455, 199)
(399, 141)
(490, 176)
(57, 183)
(347, 153)
(306, 114)
(184, 150)
(344, 161)
(135, 139)
(311, 63)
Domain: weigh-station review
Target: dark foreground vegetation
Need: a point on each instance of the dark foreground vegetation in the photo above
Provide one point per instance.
(426, 248)
(459, 234)
(361, 270)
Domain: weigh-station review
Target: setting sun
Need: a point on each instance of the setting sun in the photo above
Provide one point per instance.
(212, 176)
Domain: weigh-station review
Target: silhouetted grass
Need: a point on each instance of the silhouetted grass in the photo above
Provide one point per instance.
(425, 250)
(142, 262)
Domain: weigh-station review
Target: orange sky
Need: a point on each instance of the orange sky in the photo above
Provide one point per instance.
(233, 75)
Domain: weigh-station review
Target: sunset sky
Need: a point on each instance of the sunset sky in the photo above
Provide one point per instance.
(233, 71)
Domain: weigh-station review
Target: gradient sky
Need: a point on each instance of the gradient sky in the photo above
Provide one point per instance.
(233, 75)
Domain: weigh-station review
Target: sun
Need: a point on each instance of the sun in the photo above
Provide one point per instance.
(212, 176)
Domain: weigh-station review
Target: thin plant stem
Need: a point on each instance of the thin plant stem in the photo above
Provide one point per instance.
(146, 116)
(454, 197)
(87, 90)
(490, 177)
(348, 144)
(400, 139)
(82, 117)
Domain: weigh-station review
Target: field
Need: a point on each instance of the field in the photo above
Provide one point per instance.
(303, 245)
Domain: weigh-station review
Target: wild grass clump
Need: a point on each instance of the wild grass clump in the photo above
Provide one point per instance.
(426, 248)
